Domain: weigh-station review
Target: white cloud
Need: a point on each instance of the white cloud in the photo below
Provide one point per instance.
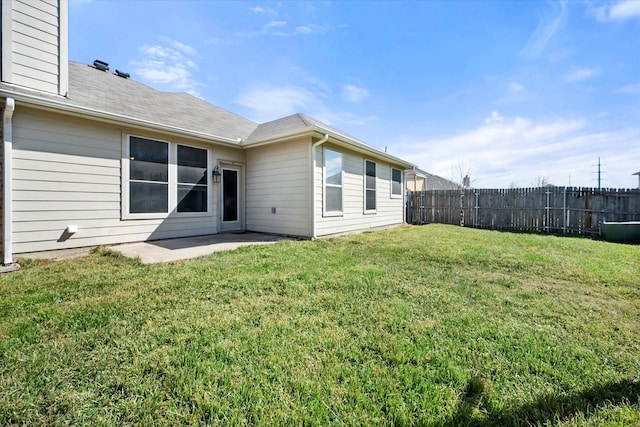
(272, 102)
(544, 32)
(301, 30)
(505, 150)
(495, 117)
(354, 93)
(269, 102)
(185, 49)
(265, 102)
(274, 24)
(632, 89)
(516, 88)
(515, 92)
(620, 11)
(263, 10)
(282, 29)
(170, 66)
(580, 74)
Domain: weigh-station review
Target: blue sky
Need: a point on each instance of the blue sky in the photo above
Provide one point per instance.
(511, 92)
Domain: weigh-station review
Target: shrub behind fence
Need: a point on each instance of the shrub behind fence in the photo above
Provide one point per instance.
(546, 209)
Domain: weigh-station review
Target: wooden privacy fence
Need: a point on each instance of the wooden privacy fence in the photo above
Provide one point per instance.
(545, 209)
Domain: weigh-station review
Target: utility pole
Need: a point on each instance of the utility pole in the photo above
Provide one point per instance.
(599, 174)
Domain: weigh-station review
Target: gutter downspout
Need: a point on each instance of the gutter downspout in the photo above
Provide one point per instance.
(313, 186)
(7, 209)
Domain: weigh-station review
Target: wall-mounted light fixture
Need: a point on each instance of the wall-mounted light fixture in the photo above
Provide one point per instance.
(216, 175)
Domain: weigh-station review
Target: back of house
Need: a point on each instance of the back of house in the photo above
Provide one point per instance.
(92, 157)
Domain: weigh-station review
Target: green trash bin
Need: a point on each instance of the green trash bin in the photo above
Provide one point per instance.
(621, 232)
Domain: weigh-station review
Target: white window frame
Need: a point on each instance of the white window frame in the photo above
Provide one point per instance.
(365, 188)
(325, 212)
(207, 174)
(172, 186)
(396, 195)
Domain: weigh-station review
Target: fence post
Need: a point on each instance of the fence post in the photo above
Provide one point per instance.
(565, 213)
(548, 210)
(476, 208)
(461, 208)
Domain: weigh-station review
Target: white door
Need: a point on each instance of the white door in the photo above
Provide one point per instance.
(231, 203)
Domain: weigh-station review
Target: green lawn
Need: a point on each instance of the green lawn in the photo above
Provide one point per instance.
(433, 325)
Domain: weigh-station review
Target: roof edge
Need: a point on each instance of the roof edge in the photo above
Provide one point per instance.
(364, 147)
(333, 137)
(57, 106)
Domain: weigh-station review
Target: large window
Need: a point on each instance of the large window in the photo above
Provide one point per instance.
(396, 182)
(192, 179)
(370, 186)
(332, 181)
(164, 177)
(148, 176)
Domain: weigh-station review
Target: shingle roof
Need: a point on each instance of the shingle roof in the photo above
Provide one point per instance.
(278, 127)
(291, 124)
(299, 123)
(436, 182)
(105, 92)
(93, 91)
(108, 92)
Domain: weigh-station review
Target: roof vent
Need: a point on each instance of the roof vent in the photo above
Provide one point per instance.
(122, 74)
(101, 65)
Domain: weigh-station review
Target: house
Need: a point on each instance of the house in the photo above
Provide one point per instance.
(91, 157)
(419, 180)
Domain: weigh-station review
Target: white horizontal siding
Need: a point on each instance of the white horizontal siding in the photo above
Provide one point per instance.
(36, 19)
(48, 186)
(67, 171)
(39, 9)
(55, 167)
(278, 177)
(36, 45)
(34, 78)
(85, 231)
(69, 196)
(79, 241)
(38, 38)
(48, 71)
(24, 47)
(389, 211)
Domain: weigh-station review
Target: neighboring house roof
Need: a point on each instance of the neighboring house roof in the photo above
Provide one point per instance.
(435, 182)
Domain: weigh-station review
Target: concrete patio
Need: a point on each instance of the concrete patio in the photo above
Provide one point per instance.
(192, 247)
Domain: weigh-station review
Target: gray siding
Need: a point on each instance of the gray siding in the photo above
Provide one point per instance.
(67, 171)
(34, 44)
(278, 176)
(389, 212)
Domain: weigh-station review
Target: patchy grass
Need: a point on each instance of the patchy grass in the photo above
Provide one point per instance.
(433, 325)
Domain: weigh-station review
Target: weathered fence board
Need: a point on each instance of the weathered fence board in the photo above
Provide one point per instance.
(548, 209)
